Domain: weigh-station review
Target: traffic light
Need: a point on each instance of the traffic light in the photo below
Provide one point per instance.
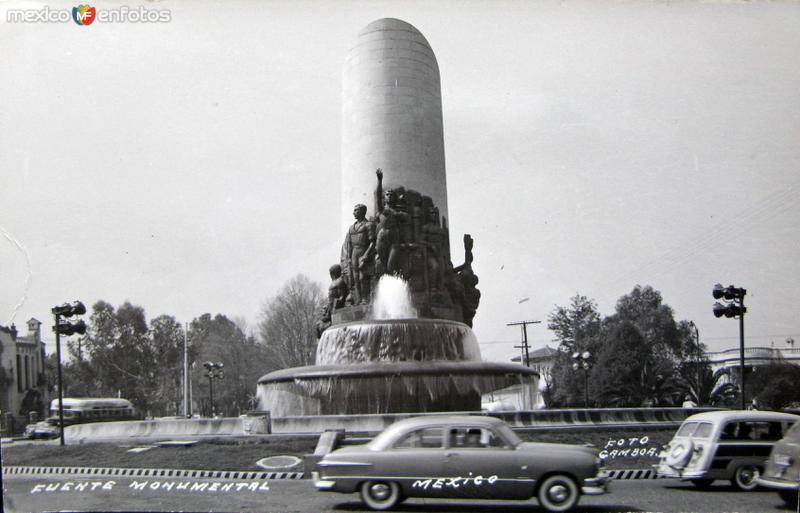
(733, 298)
(71, 328)
(729, 293)
(729, 310)
(68, 310)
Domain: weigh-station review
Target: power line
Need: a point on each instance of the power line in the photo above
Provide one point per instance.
(764, 210)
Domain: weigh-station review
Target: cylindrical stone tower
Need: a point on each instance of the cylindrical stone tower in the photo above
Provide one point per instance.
(391, 117)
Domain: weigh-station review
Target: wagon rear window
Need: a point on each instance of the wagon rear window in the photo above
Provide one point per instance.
(687, 429)
(703, 430)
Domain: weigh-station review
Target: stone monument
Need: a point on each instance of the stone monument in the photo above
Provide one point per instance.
(395, 333)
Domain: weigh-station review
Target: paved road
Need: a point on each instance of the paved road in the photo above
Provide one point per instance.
(23, 494)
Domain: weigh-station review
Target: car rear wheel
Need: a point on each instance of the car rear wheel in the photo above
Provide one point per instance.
(558, 493)
(702, 483)
(380, 495)
(790, 497)
(744, 478)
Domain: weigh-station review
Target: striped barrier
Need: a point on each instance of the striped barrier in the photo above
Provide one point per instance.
(636, 473)
(221, 474)
(147, 472)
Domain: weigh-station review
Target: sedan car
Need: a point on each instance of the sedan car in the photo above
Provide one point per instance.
(461, 457)
(43, 429)
(782, 472)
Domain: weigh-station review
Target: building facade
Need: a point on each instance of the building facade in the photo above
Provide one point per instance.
(753, 357)
(23, 382)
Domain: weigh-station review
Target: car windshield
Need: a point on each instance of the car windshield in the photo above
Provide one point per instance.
(794, 432)
(506, 432)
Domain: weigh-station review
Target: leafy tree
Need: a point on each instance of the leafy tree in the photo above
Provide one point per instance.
(576, 324)
(774, 386)
(617, 377)
(642, 356)
(694, 370)
(78, 374)
(576, 327)
(166, 337)
(286, 326)
(220, 340)
(655, 321)
(121, 352)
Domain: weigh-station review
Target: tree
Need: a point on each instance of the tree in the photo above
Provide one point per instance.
(655, 321)
(575, 324)
(621, 367)
(774, 386)
(638, 352)
(166, 337)
(220, 340)
(694, 370)
(121, 352)
(286, 326)
(576, 327)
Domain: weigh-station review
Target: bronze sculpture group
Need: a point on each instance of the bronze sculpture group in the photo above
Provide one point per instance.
(405, 238)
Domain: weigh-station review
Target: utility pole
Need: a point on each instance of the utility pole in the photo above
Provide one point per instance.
(527, 396)
(187, 411)
(524, 346)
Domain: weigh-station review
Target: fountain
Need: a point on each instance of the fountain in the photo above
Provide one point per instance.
(395, 335)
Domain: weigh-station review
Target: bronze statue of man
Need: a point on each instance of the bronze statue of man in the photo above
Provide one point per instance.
(389, 220)
(433, 237)
(358, 253)
(337, 290)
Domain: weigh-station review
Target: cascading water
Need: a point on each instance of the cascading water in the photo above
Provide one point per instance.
(392, 363)
(392, 299)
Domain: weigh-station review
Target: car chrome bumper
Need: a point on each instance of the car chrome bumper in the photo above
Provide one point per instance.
(322, 484)
(663, 470)
(777, 484)
(596, 485)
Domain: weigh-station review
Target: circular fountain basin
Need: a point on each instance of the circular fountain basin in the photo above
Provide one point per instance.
(397, 340)
(387, 387)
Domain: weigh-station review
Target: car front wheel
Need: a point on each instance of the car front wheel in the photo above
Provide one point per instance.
(380, 495)
(745, 477)
(558, 493)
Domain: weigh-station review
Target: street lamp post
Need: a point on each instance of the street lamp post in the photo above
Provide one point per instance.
(213, 371)
(583, 361)
(66, 328)
(733, 298)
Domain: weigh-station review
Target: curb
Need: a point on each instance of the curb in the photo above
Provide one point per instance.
(222, 474)
(147, 472)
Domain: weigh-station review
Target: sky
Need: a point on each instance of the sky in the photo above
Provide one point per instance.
(193, 166)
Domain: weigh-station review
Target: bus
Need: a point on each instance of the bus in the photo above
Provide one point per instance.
(93, 409)
(81, 410)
